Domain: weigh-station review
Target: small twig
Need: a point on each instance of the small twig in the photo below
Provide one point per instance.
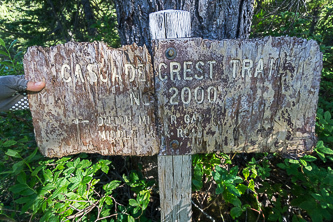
(78, 201)
(212, 219)
(112, 215)
(82, 212)
(16, 211)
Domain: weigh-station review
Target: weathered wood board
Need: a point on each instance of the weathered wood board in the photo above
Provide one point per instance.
(256, 95)
(97, 99)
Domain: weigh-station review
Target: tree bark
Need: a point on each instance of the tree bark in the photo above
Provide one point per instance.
(89, 16)
(210, 19)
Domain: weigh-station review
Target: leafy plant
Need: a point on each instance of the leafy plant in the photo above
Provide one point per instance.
(10, 65)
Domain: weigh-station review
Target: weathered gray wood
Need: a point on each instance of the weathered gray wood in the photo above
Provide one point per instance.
(96, 100)
(256, 95)
(174, 172)
(175, 180)
(220, 19)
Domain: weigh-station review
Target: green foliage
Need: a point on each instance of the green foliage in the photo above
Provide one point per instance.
(10, 64)
(53, 22)
(68, 188)
(75, 188)
(294, 188)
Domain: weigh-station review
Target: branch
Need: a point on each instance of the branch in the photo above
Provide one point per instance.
(212, 219)
(82, 212)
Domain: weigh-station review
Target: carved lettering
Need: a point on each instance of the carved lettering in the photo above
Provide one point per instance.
(198, 67)
(186, 70)
(247, 66)
(64, 69)
(160, 71)
(175, 70)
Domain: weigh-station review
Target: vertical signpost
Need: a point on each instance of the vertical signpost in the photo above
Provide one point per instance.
(174, 171)
(198, 96)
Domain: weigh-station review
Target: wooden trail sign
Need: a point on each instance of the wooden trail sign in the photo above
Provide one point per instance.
(97, 99)
(257, 95)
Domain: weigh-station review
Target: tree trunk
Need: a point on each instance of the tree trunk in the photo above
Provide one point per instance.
(89, 16)
(218, 19)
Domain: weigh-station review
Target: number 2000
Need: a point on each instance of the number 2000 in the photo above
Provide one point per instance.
(198, 94)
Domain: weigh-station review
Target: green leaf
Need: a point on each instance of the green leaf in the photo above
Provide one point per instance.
(327, 115)
(105, 169)
(198, 184)
(35, 172)
(246, 173)
(48, 175)
(3, 53)
(31, 156)
(308, 167)
(46, 189)
(322, 156)
(13, 153)
(7, 63)
(73, 186)
(18, 167)
(2, 43)
(309, 158)
(320, 144)
(236, 212)
(232, 189)
(74, 179)
(325, 150)
(21, 178)
(28, 204)
(303, 162)
(58, 191)
(308, 205)
(86, 179)
(11, 44)
(236, 202)
(242, 188)
(281, 165)
(82, 188)
(133, 203)
(219, 189)
(293, 161)
(136, 210)
(17, 188)
(28, 192)
(217, 176)
(111, 186)
(108, 200)
(130, 218)
(61, 182)
(47, 215)
(23, 200)
(316, 216)
(251, 185)
(105, 212)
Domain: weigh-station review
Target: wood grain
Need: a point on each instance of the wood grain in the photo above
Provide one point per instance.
(257, 95)
(174, 172)
(97, 99)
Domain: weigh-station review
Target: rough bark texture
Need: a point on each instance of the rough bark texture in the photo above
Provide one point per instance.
(89, 15)
(97, 99)
(209, 19)
(256, 95)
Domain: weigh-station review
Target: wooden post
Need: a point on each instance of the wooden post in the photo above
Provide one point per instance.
(174, 172)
